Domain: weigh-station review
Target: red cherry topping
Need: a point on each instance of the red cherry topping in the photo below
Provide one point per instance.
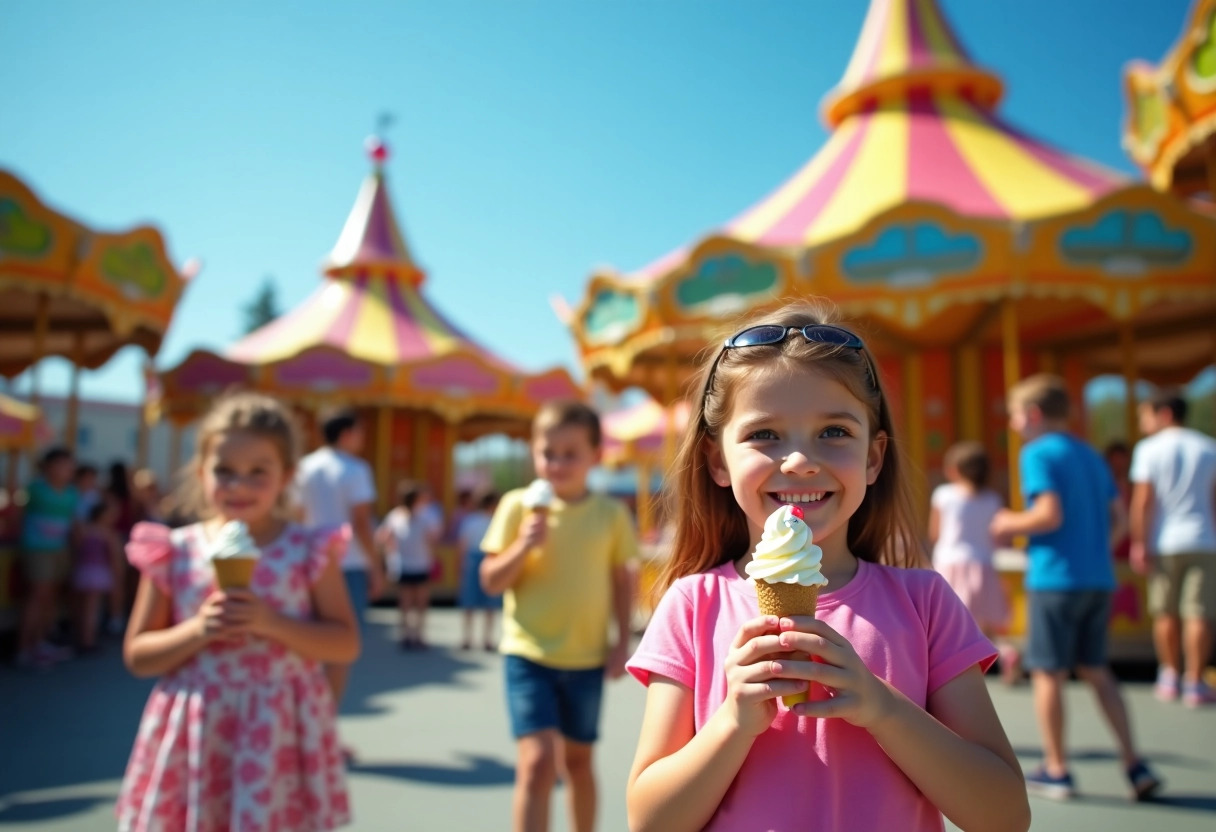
(797, 512)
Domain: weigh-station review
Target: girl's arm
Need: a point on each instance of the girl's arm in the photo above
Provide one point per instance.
(955, 752)
(332, 637)
(680, 775)
(935, 524)
(153, 645)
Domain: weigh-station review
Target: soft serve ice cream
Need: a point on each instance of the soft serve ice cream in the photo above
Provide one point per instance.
(538, 496)
(234, 555)
(785, 553)
(787, 569)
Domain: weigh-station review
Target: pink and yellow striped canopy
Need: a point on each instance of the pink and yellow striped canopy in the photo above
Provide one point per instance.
(372, 317)
(913, 121)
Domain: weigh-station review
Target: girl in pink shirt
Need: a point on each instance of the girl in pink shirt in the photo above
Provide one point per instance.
(899, 727)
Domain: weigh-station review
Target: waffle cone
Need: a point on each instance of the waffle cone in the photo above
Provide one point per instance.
(234, 573)
(785, 600)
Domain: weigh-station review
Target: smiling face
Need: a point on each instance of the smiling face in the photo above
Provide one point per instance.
(796, 436)
(564, 455)
(243, 476)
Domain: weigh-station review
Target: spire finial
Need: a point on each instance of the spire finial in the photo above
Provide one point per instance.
(377, 148)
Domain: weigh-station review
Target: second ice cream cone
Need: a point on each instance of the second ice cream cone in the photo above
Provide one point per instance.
(234, 573)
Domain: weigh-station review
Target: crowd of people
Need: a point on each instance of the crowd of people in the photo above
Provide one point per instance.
(893, 726)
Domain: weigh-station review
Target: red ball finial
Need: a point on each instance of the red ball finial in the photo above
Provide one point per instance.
(376, 149)
(797, 512)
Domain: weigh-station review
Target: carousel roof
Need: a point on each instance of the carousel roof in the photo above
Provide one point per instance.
(913, 120)
(370, 305)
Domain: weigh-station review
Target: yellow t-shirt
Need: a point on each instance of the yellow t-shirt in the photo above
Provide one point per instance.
(557, 612)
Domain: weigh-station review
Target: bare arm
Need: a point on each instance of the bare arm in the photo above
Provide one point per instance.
(500, 571)
(153, 645)
(1043, 516)
(1118, 519)
(935, 524)
(622, 609)
(957, 754)
(680, 776)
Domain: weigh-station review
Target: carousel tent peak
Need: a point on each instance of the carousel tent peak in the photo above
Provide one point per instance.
(907, 45)
(371, 241)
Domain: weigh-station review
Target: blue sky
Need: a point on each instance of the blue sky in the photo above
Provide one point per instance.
(534, 139)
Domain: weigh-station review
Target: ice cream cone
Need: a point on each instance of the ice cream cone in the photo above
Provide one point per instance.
(234, 573)
(784, 600)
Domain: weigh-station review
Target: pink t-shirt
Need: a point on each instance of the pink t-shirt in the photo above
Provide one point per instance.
(909, 628)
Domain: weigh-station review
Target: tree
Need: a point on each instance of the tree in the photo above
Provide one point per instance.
(264, 307)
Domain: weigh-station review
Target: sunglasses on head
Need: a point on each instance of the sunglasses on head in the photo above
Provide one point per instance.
(765, 335)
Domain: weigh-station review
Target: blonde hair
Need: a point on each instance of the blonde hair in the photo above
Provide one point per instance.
(710, 528)
(1047, 392)
(252, 413)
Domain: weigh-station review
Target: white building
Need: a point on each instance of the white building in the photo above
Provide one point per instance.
(109, 432)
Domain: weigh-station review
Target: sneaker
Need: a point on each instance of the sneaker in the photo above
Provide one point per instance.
(1143, 782)
(1166, 688)
(1197, 694)
(33, 660)
(53, 652)
(1042, 784)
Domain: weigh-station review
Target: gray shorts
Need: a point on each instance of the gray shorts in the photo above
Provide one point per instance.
(1067, 629)
(1183, 585)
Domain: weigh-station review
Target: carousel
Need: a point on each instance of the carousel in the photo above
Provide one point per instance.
(369, 338)
(970, 254)
(70, 291)
(1171, 125)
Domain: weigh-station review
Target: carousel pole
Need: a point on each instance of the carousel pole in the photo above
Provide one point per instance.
(971, 393)
(914, 425)
(42, 323)
(384, 455)
(645, 512)
(72, 419)
(1012, 354)
(449, 468)
(1127, 344)
(175, 449)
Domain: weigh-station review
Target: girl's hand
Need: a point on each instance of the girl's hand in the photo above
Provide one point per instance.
(856, 695)
(245, 612)
(752, 683)
(210, 616)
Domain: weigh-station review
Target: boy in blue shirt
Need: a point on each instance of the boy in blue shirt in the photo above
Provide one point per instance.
(1071, 507)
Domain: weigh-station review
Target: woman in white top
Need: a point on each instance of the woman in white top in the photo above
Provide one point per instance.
(960, 511)
(408, 536)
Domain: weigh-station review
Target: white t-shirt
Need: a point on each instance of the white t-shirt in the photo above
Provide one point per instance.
(411, 552)
(472, 529)
(962, 528)
(330, 483)
(1180, 465)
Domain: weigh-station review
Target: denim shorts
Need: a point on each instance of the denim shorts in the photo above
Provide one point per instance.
(1067, 629)
(357, 588)
(540, 698)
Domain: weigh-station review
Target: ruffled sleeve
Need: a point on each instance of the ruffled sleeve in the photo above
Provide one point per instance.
(326, 544)
(151, 552)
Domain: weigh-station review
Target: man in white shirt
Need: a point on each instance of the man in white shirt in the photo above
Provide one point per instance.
(1173, 531)
(335, 487)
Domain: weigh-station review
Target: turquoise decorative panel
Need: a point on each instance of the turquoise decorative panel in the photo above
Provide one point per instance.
(611, 315)
(912, 255)
(728, 283)
(1127, 242)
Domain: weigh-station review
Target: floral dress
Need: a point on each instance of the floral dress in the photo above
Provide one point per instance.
(242, 737)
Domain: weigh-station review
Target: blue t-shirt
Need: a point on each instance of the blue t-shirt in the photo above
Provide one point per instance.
(48, 516)
(1077, 555)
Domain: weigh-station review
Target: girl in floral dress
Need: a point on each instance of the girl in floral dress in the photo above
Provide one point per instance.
(239, 733)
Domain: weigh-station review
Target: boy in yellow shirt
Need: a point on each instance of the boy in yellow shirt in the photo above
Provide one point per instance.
(564, 574)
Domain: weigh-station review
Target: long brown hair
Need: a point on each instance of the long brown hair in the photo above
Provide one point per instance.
(711, 529)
